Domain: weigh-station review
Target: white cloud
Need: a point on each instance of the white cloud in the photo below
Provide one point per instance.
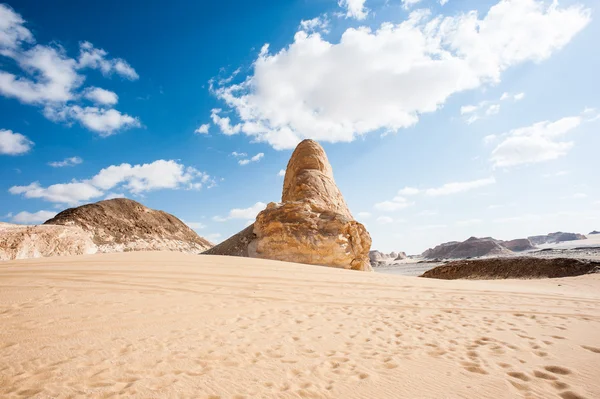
(214, 237)
(459, 187)
(67, 193)
(157, 175)
(49, 78)
(490, 138)
(12, 31)
(468, 222)
(245, 213)
(195, 225)
(281, 173)
(136, 179)
(12, 143)
(396, 204)
(406, 4)
(556, 174)
(409, 191)
(224, 123)
(363, 215)
(114, 195)
(203, 129)
(443, 2)
(428, 212)
(492, 109)
(320, 23)
(374, 80)
(32, 218)
(255, 158)
(91, 57)
(106, 122)
(384, 220)
(239, 154)
(101, 96)
(484, 108)
(539, 142)
(72, 161)
(354, 8)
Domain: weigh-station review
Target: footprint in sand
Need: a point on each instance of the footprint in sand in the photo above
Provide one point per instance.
(558, 370)
(591, 348)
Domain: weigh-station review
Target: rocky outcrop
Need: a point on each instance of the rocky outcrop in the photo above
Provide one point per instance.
(594, 232)
(554, 238)
(236, 245)
(121, 224)
(473, 247)
(22, 242)
(378, 258)
(518, 245)
(312, 224)
(513, 267)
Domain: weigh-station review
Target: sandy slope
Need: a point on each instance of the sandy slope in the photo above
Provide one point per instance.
(176, 325)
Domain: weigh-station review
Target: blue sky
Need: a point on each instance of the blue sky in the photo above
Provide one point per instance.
(442, 119)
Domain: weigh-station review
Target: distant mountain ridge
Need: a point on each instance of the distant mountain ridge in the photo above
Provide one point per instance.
(488, 246)
(554, 238)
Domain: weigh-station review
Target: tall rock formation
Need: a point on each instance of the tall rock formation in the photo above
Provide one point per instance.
(312, 224)
(122, 224)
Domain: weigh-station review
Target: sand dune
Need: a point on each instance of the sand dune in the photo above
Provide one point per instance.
(175, 325)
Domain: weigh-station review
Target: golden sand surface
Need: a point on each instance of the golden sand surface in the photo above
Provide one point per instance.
(172, 325)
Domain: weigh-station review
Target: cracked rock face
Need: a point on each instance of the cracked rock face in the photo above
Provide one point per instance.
(312, 224)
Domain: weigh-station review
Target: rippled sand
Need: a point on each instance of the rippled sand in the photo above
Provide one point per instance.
(159, 324)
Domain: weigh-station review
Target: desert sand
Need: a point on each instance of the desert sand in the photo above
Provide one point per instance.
(160, 324)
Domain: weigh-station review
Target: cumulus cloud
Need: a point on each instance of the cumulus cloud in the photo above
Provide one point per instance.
(72, 161)
(13, 143)
(384, 220)
(114, 195)
(101, 96)
(459, 187)
(406, 4)
(396, 204)
(136, 179)
(409, 191)
(542, 141)
(281, 173)
(399, 202)
(66, 193)
(255, 158)
(472, 113)
(318, 24)
(244, 213)
(195, 225)
(157, 175)
(105, 122)
(91, 57)
(354, 8)
(32, 218)
(202, 129)
(383, 79)
(52, 80)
